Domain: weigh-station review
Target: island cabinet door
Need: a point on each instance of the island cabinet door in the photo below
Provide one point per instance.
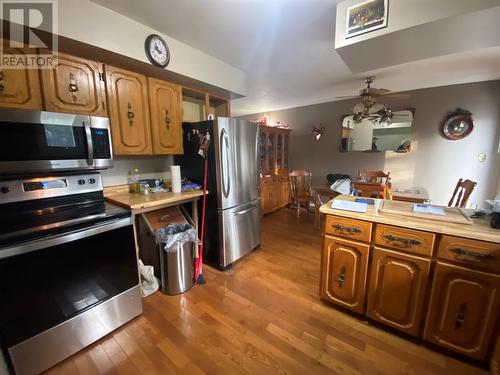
(397, 289)
(344, 269)
(128, 112)
(19, 88)
(75, 85)
(166, 126)
(464, 309)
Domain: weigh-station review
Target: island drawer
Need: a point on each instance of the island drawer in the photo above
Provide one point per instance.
(409, 240)
(348, 228)
(473, 253)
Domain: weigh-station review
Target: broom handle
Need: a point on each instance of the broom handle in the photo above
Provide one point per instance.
(200, 255)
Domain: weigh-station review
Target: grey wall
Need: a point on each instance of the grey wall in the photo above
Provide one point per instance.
(434, 163)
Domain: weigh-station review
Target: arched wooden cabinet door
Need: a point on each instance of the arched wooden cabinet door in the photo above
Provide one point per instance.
(19, 88)
(464, 309)
(166, 126)
(397, 289)
(344, 266)
(76, 85)
(128, 112)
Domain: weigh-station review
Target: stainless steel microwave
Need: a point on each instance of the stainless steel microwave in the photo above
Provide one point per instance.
(36, 141)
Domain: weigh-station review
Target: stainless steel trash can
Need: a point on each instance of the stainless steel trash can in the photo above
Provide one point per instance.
(173, 268)
(177, 273)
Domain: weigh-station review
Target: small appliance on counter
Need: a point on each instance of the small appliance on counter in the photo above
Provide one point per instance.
(68, 270)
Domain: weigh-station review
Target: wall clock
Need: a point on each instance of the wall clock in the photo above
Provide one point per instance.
(157, 50)
(457, 124)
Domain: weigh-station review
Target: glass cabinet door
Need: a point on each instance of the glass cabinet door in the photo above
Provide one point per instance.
(262, 152)
(279, 151)
(285, 151)
(270, 152)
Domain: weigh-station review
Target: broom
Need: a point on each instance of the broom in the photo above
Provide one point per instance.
(198, 272)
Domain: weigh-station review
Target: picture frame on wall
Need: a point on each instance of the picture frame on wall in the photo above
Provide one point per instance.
(366, 16)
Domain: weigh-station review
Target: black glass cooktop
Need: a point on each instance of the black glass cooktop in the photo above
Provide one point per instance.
(23, 221)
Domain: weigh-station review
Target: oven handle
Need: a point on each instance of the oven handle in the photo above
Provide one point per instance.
(63, 238)
(90, 146)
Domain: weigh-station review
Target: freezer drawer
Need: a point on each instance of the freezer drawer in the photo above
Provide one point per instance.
(239, 231)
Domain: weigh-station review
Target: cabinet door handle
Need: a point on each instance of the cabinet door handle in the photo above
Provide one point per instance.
(346, 230)
(130, 114)
(341, 277)
(471, 255)
(459, 322)
(167, 119)
(406, 241)
(2, 85)
(73, 87)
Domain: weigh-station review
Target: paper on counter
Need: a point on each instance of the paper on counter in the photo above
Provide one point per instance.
(349, 206)
(428, 209)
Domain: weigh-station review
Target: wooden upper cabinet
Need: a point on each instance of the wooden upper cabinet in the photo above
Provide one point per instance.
(128, 112)
(76, 85)
(397, 289)
(19, 88)
(464, 309)
(166, 126)
(344, 269)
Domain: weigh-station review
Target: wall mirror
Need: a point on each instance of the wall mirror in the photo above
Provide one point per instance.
(372, 136)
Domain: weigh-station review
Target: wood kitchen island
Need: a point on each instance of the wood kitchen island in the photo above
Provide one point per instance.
(434, 280)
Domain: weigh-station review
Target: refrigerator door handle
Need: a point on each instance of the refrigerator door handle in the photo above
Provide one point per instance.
(244, 211)
(224, 149)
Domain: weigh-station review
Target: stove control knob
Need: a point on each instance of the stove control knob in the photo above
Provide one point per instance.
(4, 189)
(81, 181)
(91, 181)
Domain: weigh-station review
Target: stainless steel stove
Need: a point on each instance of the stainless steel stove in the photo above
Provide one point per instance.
(68, 268)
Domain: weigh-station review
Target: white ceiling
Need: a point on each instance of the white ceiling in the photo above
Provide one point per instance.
(286, 48)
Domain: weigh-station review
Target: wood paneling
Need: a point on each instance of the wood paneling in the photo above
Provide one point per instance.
(19, 88)
(412, 241)
(264, 316)
(128, 111)
(344, 268)
(353, 229)
(397, 289)
(166, 114)
(476, 254)
(464, 309)
(75, 86)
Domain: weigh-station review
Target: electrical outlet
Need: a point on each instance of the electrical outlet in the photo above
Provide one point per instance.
(482, 157)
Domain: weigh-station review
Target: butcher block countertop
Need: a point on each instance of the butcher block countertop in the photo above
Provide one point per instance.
(479, 229)
(141, 203)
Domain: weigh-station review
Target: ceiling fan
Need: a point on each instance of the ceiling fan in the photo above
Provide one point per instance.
(369, 107)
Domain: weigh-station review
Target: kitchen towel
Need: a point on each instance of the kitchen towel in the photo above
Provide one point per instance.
(175, 172)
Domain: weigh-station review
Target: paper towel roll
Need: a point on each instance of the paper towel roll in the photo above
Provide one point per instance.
(175, 172)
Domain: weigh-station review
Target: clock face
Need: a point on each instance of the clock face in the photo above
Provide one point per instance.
(157, 51)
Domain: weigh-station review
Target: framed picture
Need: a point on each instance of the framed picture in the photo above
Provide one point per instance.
(366, 16)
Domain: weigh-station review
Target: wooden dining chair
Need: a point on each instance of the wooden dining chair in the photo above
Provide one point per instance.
(462, 192)
(300, 186)
(370, 183)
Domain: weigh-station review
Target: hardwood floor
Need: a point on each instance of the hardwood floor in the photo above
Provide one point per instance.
(263, 316)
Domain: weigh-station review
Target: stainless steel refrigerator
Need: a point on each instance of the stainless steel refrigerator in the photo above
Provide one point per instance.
(232, 226)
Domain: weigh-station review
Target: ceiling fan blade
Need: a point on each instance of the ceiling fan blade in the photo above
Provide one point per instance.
(347, 96)
(397, 96)
(377, 92)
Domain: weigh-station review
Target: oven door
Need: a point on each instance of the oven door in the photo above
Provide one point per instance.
(48, 284)
(34, 141)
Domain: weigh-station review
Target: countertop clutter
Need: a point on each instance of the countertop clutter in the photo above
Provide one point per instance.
(435, 280)
(479, 230)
